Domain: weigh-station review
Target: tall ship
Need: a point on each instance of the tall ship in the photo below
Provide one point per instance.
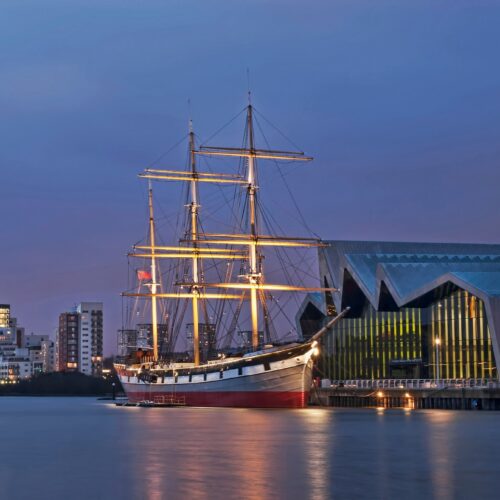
(216, 292)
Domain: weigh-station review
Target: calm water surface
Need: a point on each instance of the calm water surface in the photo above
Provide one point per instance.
(79, 448)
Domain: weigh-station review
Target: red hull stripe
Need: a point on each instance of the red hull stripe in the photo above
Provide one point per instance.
(241, 399)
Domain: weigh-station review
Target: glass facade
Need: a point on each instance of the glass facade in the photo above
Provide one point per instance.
(448, 340)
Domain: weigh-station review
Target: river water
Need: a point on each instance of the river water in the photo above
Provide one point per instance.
(79, 448)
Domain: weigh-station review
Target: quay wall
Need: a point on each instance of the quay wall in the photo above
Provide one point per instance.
(447, 398)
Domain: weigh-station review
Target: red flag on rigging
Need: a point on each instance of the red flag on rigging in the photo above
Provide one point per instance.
(143, 275)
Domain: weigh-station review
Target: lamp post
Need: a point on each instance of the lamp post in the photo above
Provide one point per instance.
(113, 386)
(437, 343)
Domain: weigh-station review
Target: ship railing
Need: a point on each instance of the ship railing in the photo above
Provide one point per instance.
(169, 399)
(469, 383)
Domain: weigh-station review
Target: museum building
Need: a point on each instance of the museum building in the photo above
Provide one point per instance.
(417, 310)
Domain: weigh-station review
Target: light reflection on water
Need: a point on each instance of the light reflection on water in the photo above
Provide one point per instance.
(440, 449)
(94, 450)
(316, 446)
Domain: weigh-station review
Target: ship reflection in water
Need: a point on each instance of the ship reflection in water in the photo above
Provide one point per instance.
(246, 454)
(80, 449)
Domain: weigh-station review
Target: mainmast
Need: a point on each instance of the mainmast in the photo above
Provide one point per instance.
(253, 275)
(193, 209)
(253, 240)
(154, 284)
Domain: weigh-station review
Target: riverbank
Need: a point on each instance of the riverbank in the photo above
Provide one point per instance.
(60, 384)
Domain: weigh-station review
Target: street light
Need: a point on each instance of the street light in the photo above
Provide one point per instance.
(437, 343)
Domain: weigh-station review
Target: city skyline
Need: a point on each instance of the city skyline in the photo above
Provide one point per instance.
(406, 120)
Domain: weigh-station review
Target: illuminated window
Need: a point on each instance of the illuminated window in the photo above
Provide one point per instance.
(472, 307)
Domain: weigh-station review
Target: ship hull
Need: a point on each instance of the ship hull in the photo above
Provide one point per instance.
(279, 383)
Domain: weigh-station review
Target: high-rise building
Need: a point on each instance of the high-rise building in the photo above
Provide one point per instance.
(18, 329)
(4, 315)
(90, 350)
(207, 340)
(145, 337)
(127, 342)
(245, 339)
(79, 345)
(47, 352)
(67, 342)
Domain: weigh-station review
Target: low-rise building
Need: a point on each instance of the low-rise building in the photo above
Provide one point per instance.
(16, 365)
(22, 356)
(40, 351)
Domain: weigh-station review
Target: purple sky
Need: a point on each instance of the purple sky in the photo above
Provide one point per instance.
(399, 102)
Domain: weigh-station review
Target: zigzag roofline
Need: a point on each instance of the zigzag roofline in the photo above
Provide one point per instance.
(410, 271)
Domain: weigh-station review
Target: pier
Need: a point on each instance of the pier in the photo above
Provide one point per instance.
(453, 394)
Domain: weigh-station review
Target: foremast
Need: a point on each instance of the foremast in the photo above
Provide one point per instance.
(193, 252)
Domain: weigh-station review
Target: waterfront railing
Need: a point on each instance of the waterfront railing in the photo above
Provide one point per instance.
(470, 383)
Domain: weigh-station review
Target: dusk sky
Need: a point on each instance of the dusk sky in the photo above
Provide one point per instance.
(398, 101)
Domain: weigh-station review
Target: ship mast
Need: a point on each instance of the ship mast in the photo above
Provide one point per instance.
(253, 275)
(154, 284)
(194, 245)
(193, 209)
(253, 240)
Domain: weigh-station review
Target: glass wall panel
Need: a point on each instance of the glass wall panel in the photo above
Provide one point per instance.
(448, 339)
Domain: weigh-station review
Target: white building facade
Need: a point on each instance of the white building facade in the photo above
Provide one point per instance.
(90, 349)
